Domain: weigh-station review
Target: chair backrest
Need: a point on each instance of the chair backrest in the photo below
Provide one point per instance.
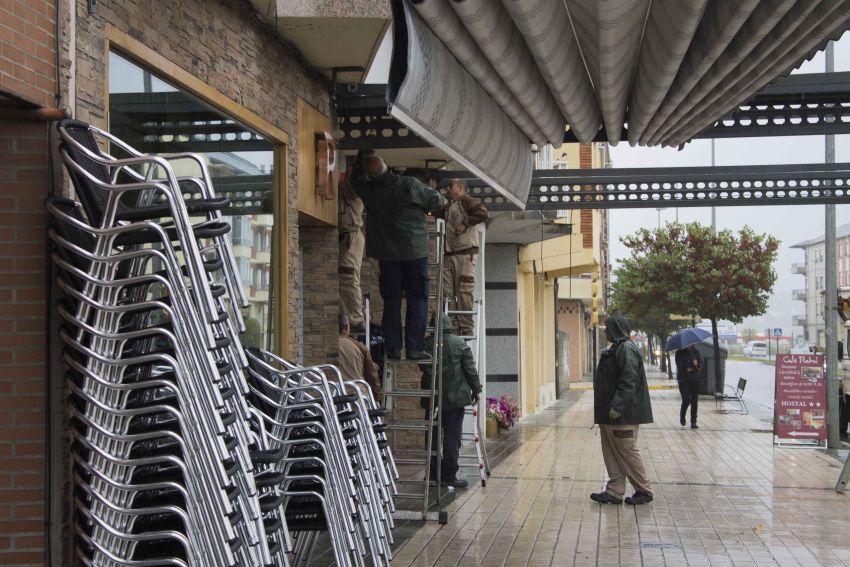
(742, 384)
(92, 197)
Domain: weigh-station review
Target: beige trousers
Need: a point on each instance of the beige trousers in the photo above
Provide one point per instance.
(351, 246)
(458, 287)
(622, 459)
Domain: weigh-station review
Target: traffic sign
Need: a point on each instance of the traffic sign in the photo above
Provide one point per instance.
(777, 332)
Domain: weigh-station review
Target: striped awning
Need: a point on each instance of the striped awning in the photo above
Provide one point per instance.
(653, 72)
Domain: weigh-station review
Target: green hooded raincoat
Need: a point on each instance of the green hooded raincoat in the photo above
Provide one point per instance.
(620, 380)
(460, 377)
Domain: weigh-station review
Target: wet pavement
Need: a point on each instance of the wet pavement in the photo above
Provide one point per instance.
(723, 496)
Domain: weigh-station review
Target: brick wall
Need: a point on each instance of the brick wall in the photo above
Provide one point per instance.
(23, 187)
(320, 248)
(27, 49)
(28, 73)
(223, 44)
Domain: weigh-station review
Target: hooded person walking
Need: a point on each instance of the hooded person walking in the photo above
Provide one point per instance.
(620, 405)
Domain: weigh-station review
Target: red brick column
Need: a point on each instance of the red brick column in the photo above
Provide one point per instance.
(586, 162)
(23, 359)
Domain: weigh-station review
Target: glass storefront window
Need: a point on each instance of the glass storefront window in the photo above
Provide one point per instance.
(155, 117)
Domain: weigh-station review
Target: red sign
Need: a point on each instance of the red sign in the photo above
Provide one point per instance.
(800, 397)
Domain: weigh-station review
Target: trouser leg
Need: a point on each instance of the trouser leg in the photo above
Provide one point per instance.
(465, 269)
(693, 387)
(415, 283)
(844, 414)
(449, 288)
(624, 440)
(350, 260)
(452, 431)
(390, 284)
(616, 479)
(686, 398)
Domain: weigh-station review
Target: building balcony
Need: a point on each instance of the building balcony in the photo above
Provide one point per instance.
(798, 320)
(798, 295)
(797, 268)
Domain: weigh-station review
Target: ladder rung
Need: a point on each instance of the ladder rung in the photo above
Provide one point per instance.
(411, 425)
(412, 452)
(410, 495)
(420, 361)
(411, 481)
(409, 393)
(452, 312)
(410, 461)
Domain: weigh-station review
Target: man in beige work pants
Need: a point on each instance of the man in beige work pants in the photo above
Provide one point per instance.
(462, 214)
(620, 405)
(351, 244)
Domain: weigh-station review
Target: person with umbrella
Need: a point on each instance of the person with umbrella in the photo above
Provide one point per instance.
(688, 370)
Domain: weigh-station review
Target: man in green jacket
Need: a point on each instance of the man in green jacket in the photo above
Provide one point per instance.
(460, 388)
(397, 236)
(620, 404)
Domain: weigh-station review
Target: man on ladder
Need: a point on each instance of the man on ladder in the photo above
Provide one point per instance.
(462, 214)
(397, 236)
(460, 388)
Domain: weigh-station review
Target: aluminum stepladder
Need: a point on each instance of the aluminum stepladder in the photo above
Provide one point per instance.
(430, 426)
(479, 460)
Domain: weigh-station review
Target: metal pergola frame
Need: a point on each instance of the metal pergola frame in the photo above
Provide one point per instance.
(806, 104)
(797, 105)
(718, 186)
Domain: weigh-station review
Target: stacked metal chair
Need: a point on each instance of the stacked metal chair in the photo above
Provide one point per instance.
(339, 473)
(187, 450)
(163, 446)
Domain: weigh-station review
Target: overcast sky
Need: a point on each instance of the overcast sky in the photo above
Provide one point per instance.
(790, 224)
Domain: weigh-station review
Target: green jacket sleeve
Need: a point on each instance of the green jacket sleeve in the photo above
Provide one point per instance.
(470, 373)
(426, 197)
(628, 378)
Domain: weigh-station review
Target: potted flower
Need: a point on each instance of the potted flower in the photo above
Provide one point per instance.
(502, 413)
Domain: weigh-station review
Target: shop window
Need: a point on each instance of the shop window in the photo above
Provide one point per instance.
(153, 116)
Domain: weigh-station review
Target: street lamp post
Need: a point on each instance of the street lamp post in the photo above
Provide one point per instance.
(659, 217)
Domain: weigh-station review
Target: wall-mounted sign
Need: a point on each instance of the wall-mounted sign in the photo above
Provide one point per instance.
(800, 411)
(325, 165)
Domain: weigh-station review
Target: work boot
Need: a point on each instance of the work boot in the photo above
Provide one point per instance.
(394, 354)
(639, 498)
(417, 355)
(456, 483)
(682, 420)
(693, 426)
(605, 498)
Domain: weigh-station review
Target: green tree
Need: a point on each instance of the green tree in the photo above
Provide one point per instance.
(695, 272)
(748, 334)
(641, 287)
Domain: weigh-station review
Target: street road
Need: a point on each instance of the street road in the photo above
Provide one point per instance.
(760, 381)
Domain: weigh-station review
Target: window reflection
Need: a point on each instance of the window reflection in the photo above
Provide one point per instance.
(155, 117)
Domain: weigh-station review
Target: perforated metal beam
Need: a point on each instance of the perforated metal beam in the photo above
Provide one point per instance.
(797, 105)
(812, 103)
(675, 187)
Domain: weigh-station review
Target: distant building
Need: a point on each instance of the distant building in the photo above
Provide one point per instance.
(813, 270)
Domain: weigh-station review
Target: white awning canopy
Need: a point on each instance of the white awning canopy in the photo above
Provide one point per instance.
(657, 72)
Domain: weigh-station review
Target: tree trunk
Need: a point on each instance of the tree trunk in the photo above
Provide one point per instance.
(717, 361)
(649, 342)
(663, 355)
(669, 366)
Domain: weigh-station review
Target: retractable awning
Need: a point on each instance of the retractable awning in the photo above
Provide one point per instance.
(484, 79)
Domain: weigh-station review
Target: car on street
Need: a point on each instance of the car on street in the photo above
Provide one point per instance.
(756, 349)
